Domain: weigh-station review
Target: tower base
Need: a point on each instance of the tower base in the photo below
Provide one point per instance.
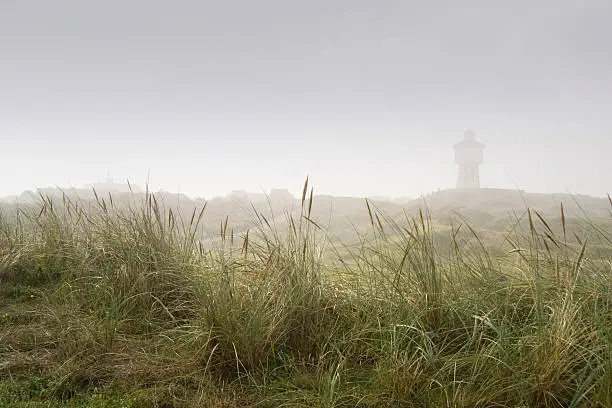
(468, 177)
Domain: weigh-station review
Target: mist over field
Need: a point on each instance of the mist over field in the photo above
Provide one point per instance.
(203, 97)
(321, 204)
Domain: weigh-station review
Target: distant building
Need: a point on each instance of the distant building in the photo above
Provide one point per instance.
(468, 156)
(238, 195)
(109, 185)
(281, 196)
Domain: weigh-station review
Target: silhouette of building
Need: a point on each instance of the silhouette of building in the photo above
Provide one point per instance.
(468, 156)
(281, 197)
(238, 195)
(109, 185)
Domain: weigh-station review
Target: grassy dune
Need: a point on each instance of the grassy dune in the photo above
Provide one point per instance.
(122, 307)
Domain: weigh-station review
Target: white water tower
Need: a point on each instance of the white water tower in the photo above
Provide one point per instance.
(468, 156)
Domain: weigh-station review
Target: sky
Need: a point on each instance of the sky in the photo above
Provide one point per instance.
(367, 98)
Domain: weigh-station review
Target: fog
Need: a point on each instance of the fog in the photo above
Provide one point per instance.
(365, 97)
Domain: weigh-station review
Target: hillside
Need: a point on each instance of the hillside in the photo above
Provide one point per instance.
(117, 302)
(493, 210)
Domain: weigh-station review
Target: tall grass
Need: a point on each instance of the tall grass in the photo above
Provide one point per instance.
(112, 302)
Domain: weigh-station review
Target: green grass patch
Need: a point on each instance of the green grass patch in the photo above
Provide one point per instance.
(122, 306)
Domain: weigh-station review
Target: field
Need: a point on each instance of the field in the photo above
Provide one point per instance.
(111, 305)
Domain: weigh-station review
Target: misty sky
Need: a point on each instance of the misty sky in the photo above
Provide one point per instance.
(366, 97)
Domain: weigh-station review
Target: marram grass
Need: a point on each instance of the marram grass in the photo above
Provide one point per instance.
(121, 306)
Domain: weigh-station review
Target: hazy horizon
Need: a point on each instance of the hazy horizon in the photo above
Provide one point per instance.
(366, 98)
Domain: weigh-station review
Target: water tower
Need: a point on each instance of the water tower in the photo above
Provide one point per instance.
(468, 156)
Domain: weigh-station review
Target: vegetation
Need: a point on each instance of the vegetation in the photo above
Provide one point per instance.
(112, 306)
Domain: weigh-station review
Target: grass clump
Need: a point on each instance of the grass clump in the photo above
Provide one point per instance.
(107, 304)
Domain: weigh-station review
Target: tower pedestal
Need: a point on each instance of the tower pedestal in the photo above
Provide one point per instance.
(468, 177)
(468, 156)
